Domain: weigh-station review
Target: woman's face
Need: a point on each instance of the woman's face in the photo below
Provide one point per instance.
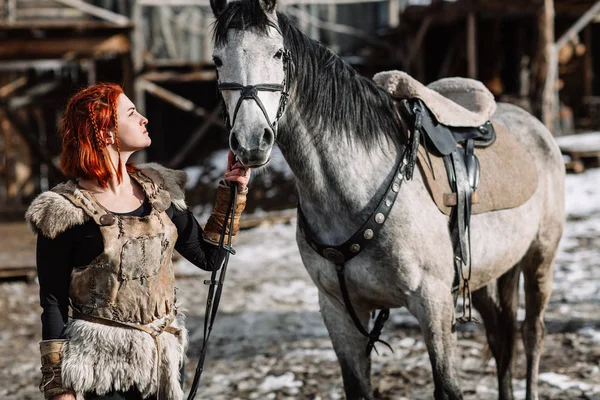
(133, 135)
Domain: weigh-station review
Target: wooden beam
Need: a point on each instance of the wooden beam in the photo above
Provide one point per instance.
(214, 118)
(58, 47)
(78, 26)
(98, 12)
(579, 25)
(171, 76)
(172, 98)
(13, 86)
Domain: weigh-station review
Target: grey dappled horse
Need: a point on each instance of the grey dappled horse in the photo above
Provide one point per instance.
(341, 137)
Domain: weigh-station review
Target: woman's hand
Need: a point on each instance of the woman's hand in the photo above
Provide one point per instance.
(66, 396)
(236, 172)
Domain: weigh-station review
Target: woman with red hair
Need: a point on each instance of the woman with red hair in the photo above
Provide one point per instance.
(104, 251)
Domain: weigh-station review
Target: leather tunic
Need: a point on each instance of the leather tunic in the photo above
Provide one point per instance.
(133, 280)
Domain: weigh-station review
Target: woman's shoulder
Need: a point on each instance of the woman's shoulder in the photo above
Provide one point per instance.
(51, 213)
(171, 180)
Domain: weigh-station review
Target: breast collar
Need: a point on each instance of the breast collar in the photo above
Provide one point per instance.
(366, 233)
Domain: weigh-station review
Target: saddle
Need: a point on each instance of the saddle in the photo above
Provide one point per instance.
(454, 111)
(447, 122)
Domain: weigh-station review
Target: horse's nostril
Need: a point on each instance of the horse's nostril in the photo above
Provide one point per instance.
(233, 142)
(268, 138)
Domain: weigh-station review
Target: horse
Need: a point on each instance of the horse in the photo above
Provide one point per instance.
(341, 136)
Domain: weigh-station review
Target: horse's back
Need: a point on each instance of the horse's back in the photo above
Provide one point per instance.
(536, 138)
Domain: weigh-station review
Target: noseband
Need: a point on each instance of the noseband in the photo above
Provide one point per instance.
(250, 92)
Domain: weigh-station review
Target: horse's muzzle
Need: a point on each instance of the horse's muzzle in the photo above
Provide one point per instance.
(254, 158)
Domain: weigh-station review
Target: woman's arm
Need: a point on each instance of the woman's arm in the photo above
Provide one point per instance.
(54, 267)
(190, 243)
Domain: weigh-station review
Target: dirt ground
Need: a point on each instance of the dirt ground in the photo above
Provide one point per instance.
(270, 343)
(269, 340)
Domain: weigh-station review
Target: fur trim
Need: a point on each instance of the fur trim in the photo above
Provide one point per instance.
(173, 181)
(100, 358)
(51, 214)
(455, 102)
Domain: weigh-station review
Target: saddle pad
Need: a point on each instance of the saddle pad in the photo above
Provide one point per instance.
(508, 175)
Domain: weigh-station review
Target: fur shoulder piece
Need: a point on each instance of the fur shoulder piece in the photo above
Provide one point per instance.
(173, 181)
(51, 214)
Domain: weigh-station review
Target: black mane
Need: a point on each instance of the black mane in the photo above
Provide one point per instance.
(329, 93)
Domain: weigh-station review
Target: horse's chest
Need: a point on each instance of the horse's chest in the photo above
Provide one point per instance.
(364, 276)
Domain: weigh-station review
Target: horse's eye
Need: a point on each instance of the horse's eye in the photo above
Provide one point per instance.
(218, 62)
(279, 54)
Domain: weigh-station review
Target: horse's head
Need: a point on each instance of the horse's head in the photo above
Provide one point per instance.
(254, 70)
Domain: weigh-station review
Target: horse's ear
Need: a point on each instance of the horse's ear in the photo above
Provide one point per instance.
(218, 6)
(268, 5)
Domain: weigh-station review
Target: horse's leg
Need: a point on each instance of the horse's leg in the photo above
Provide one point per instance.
(435, 311)
(349, 345)
(537, 272)
(497, 303)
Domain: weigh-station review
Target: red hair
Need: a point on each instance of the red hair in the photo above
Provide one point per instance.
(90, 112)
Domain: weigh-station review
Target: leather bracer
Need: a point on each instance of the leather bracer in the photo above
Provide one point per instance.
(51, 357)
(214, 225)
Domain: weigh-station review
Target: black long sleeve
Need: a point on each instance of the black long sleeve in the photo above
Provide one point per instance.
(79, 245)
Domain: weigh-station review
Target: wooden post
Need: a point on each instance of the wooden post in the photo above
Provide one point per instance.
(588, 65)
(195, 48)
(472, 45)
(547, 65)
(331, 35)
(207, 45)
(12, 11)
(393, 13)
(138, 45)
(313, 9)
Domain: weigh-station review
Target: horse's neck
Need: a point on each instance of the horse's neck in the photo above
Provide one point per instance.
(339, 182)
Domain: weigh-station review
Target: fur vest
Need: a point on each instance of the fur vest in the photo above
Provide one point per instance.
(130, 283)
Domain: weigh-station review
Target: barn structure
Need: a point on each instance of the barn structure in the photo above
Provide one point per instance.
(160, 50)
(538, 53)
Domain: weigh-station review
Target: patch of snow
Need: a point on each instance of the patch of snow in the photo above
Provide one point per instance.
(582, 193)
(563, 382)
(591, 333)
(193, 175)
(274, 383)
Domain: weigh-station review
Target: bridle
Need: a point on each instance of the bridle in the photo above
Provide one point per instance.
(225, 243)
(250, 92)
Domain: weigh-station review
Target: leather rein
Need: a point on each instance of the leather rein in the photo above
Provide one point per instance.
(249, 92)
(216, 285)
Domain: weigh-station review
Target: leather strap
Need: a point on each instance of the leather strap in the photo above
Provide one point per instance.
(346, 251)
(216, 285)
(145, 328)
(340, 254)
(380, 320)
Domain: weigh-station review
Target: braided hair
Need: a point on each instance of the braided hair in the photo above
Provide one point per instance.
(88, 113)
